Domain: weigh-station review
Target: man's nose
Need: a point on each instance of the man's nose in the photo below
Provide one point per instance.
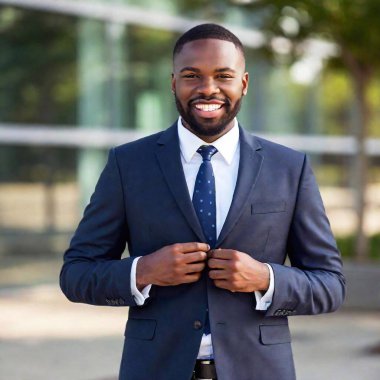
(208, 87)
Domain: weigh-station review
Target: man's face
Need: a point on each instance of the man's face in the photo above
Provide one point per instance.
(209, 81)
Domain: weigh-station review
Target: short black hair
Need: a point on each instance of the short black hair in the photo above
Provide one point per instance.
(206, 31)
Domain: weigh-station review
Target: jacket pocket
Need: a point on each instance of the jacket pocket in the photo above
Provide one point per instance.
(274, 334)
(143, 329)
(268, 207)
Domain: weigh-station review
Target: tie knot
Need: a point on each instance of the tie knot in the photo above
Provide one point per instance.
(207, 151)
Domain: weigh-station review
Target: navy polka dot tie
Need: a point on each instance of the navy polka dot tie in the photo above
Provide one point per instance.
(204, 195)
(204, 202)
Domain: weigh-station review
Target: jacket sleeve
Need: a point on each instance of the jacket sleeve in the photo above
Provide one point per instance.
(93, 271)
(314, 283)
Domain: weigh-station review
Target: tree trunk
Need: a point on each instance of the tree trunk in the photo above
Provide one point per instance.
(361, 76)
(361, 81)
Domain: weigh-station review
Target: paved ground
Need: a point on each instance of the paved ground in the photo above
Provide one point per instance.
(44, 337)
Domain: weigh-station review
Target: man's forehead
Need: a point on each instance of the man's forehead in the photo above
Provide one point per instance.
(209, 49)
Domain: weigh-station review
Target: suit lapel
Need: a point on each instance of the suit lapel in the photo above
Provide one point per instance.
(169, 158)
(249, 169)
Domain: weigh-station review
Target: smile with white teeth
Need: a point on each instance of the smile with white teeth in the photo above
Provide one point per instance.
(208, 107)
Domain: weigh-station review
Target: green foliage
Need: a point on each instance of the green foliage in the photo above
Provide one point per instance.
(353, 25)
(374, 104)
(346, 246)
(336, 102)
(37, 62)
(204, 9)
(38, 84)
(148, 45)
(333, 174)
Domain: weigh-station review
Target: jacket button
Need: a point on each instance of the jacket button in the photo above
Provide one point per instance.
(197, 325)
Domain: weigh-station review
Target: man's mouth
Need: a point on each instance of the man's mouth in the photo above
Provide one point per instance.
(208, 107)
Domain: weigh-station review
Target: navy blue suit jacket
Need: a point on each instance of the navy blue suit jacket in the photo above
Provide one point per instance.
(142, 200)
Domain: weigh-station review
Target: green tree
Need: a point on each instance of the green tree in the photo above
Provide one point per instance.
(354, 28)
(37, 62)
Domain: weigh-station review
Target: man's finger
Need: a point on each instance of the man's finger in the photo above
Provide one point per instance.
(223, 284)
(194, 257)
(194, 268)
(217, 263)
(192, 277)
(223, 254)
(218, 274)
(191, 247)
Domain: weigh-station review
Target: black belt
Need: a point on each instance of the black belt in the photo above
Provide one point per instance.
(204, 369)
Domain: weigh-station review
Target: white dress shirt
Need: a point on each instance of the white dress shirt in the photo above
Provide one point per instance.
(225, 164)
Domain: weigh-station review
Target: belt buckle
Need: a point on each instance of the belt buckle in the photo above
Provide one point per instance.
(204, 370)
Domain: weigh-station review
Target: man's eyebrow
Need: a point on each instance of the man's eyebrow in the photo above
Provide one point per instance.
(194, 69)
(224, 69)
(189, 68)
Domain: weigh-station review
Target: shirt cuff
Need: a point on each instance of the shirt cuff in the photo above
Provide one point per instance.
(264, 301)
(139, 297)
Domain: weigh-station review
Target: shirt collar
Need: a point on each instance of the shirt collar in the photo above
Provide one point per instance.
(226, 144)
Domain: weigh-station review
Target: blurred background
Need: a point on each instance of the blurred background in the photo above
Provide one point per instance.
(77, 77)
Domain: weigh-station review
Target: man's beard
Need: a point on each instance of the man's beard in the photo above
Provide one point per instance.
(201, 129)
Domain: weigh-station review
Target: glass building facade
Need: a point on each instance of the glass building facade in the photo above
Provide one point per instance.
(80, 79)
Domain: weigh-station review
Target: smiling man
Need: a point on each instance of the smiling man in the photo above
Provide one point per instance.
(209, 87)
(209, 213)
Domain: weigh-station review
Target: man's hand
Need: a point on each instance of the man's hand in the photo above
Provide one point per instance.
(236, 271)
(172, 265)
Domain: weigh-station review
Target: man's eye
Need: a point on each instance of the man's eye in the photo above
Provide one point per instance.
(190, 76)
(225, 76)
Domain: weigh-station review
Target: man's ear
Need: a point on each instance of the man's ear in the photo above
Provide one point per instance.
(173, 84)
(245, 81)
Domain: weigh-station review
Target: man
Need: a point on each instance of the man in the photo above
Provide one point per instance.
(209, 213)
